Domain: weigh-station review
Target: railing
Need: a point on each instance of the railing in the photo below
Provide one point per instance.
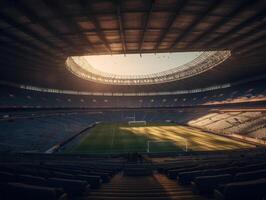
(72, 92)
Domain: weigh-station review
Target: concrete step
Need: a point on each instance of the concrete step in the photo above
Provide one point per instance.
(142, 194)
(146, 198)
(155, 187)
(142, 190)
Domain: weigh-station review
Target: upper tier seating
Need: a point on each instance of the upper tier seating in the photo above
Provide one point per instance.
(15, 97)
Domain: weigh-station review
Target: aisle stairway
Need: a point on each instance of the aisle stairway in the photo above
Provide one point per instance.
(156, 186)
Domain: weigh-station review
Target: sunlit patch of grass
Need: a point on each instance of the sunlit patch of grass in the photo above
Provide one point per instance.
(120, 137)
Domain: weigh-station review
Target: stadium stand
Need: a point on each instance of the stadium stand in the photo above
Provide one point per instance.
(58, 176)
(70, 131)
(43, 127)
(41, 133)
(244, 93)
(250, 124)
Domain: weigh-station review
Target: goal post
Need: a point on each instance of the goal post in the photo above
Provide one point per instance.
(167, 143)
(137, 123)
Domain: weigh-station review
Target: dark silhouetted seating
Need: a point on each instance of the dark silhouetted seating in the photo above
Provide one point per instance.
(72, 187)
(7, 177)
(248, 190)
(94, 181)
(206, 184)
(32, 180)
(187, 177)
(14, 191)
(246, 176)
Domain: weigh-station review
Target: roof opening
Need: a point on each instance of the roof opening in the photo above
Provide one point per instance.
(134, 64)
(148, 69)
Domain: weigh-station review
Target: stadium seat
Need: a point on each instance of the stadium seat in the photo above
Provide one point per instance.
(7, 177)
(187, 177)
(94, 181)
(137, 172)
(104, 176)
(248, 190)
(252, 167)
(207, 184)
(72, 187)
(31, 180)
(62, 175)
(14, 191)
(175, 172)
(132, 99)
(252, 175)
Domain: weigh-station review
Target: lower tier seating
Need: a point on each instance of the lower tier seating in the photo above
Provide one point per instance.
(220, 175)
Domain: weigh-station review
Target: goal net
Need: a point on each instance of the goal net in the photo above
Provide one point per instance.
(166, 146)
(130, 123)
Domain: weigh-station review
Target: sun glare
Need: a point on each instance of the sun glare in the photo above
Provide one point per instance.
(134, 64)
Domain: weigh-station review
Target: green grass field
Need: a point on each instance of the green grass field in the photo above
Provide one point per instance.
(162, 137)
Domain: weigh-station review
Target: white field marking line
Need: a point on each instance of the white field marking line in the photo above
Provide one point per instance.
(165, 129)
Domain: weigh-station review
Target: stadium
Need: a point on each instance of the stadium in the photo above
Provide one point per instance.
(133, 99)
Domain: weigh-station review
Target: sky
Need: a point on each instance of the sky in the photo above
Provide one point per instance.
(133, 64)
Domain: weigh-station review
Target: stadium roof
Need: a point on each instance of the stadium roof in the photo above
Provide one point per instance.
(81, 67)
(37, 36)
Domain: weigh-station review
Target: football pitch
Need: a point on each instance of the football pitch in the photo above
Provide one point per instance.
(154, 137)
